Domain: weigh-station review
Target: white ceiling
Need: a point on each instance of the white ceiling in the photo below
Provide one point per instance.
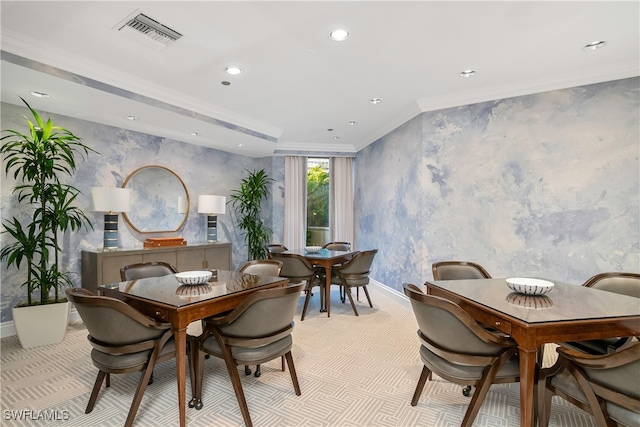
(297, 82)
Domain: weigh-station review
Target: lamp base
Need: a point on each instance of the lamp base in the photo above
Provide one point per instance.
(212, 228)
(110, 232)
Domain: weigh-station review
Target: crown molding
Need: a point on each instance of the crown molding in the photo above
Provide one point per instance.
(596, 75)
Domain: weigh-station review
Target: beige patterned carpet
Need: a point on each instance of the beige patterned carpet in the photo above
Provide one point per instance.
(353, 371)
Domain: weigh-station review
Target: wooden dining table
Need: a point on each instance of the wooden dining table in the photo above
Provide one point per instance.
(165, 299)
(326, 259)
(567, 313)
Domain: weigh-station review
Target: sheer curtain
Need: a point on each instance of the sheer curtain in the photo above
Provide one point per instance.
(341, 199)
(295, 202)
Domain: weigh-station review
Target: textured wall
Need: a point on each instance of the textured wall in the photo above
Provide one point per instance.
(544, 185)
(203, 170)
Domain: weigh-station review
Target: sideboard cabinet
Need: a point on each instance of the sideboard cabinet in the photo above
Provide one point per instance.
(100, 267)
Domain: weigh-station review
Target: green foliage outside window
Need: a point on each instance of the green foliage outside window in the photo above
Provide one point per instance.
(317, 197)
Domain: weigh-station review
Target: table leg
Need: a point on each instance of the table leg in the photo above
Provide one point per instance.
(180, 337)
(527, 382)
(327, 290)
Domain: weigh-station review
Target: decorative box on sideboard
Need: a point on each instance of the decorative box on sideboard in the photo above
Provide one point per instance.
(100, 267)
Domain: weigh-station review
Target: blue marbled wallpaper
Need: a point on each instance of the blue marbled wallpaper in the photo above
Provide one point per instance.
(203, 170)
(544, 185)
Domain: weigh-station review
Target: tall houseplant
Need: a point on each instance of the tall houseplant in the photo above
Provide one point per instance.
(247, 204)
(37, 160)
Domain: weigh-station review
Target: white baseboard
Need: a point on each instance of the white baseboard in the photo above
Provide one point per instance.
(392, 293)
(8, 329)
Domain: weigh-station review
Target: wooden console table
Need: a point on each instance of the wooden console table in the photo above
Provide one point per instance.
(100, 267)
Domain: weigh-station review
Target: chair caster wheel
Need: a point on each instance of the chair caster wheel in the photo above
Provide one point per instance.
(247, 370)
(195, 403)
(467, 391)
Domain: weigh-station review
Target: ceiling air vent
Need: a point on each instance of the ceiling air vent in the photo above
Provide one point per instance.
(147, 30)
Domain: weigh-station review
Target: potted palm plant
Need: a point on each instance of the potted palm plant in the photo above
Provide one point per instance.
(38, 159)
(247, 204)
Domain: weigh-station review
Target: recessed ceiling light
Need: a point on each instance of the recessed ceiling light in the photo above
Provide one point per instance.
(467, 73)
(329, 130)
(195, 133)
(40, 94)
(352, 122)
(336, 137)
(234, 70)
(339, 34)
(225, 83)
(595, 45)
(375, 101)
(133, 118)
(240, 145)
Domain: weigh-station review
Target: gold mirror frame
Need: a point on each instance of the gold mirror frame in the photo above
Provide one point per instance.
(162, 185)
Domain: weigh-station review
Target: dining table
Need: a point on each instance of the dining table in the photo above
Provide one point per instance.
(567, 313)
(165, 299)
(326, 259)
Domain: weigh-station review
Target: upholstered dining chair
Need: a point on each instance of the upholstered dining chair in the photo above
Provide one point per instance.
(146, 269)
(457, 348)
(123, 340)
(298, 269)
(605, 385)
(337, 246)
(275, 249)
(355, 274)
(617, 282)
(458, 270)
(257, 331)
(261, 267)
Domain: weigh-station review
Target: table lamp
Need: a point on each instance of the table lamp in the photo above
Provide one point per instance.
(212, 206)
(111, 201)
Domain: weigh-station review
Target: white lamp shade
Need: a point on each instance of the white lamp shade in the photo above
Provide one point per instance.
(211, 205)
(110, 199)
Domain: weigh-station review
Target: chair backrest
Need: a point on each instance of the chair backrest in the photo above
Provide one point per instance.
(458, 270)
(449, 331)
(146, 269)
(262, 267)
(618, 282)
(275, 248)
(359, 264)
(613, 377)
(295, 267)
(265, 313)
(113, 322)
(337, 246)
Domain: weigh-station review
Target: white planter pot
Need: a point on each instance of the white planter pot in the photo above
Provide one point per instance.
(41, 324)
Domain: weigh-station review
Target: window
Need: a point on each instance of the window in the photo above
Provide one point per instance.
(317, 201)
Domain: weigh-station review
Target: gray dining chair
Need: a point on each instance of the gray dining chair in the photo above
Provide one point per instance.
(337, 246)
(261, 267)
(275, 248)
(123, 340)
(605, 385)
(146, 269)
(618, 282)
(298, 269)
(459, 349)
(458, 270)
(257, 331)
(355, 274)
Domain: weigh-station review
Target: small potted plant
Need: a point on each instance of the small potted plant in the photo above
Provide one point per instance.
(37, 160)
(247, 204)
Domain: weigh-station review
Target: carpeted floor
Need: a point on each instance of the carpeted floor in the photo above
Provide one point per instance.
(353, 371)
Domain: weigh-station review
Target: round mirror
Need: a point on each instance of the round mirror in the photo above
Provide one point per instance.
(159, 200)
